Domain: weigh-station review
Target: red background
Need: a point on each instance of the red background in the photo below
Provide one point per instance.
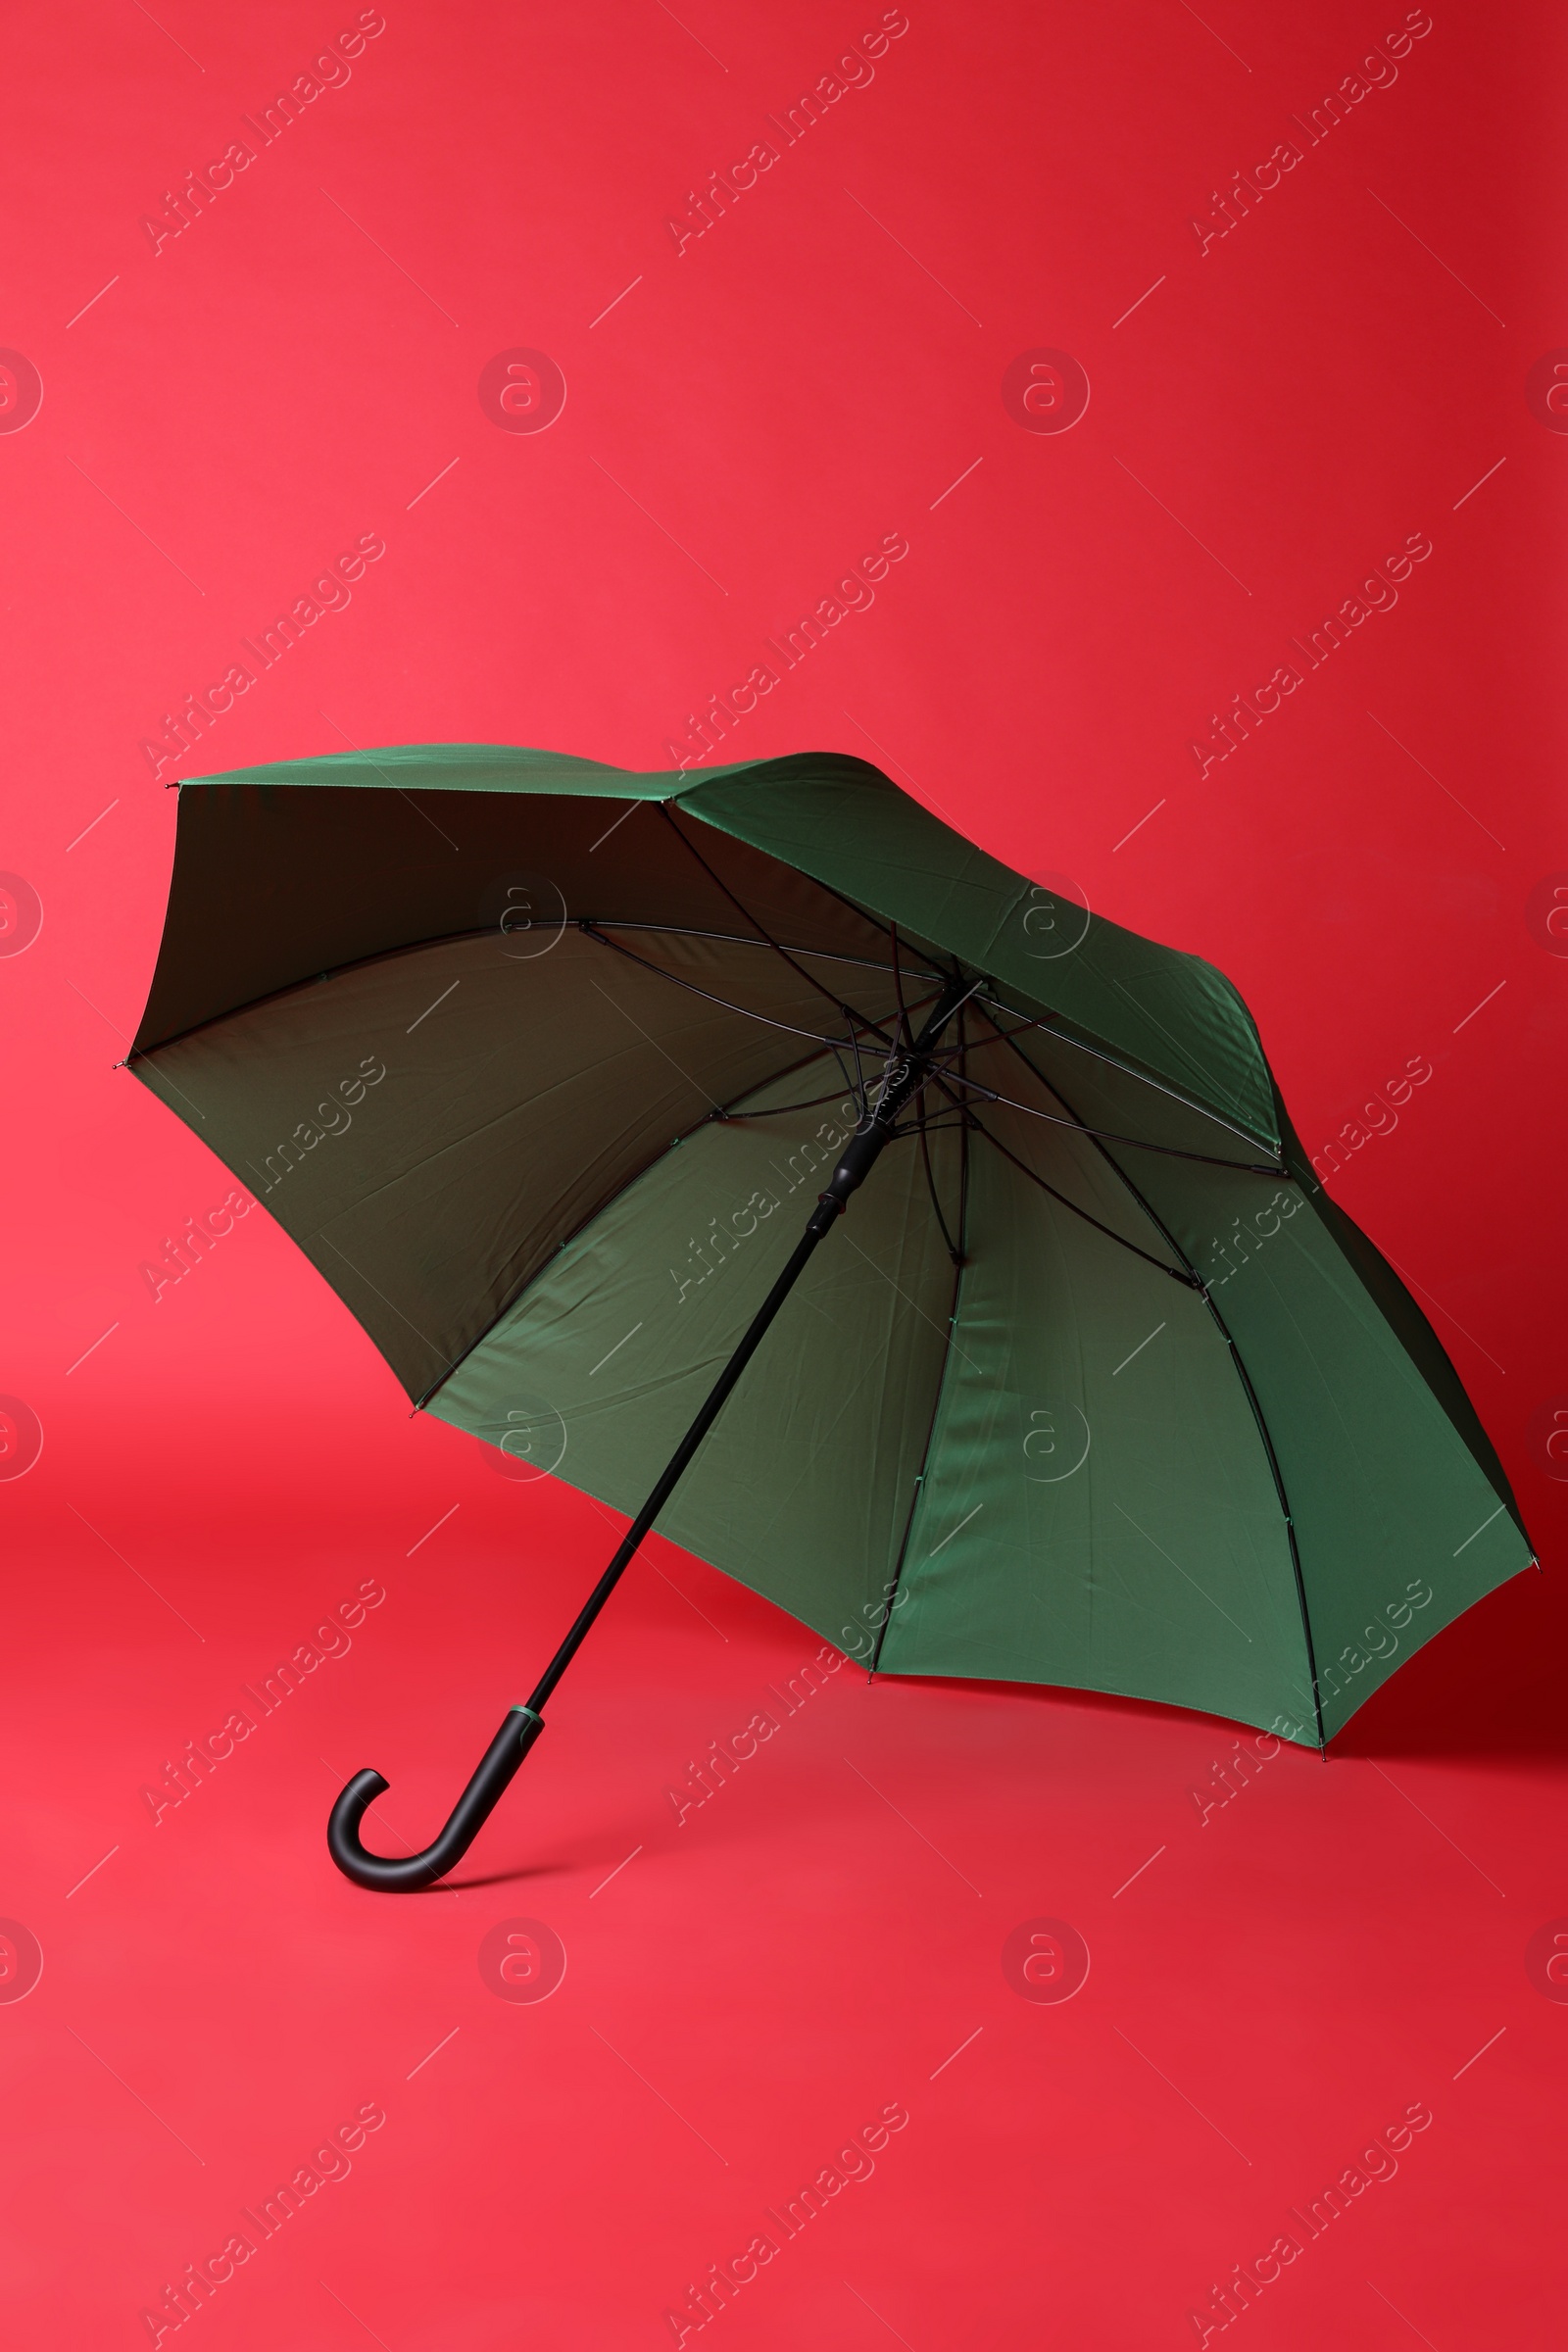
(1338, 373)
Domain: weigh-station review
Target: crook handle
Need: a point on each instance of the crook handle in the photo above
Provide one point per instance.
(470, 1814)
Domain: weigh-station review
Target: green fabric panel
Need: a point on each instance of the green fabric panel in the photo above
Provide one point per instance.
(803, 1489)
(1097, 1511)
(1403, 1316)
(452, 767)
(1384, 1492)
(272, 886)
(844, 822)
(1123, 1102)
(520, 1095)
(1384, 1479)
(820, 814)
(1058, 1154)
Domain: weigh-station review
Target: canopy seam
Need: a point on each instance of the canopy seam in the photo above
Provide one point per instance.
(1246, 1383)
(960, 1266)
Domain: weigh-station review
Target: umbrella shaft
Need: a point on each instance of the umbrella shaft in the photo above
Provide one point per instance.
(905, 1078)
(678, 1462)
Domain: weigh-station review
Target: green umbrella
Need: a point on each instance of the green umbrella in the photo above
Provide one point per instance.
(544, 1065)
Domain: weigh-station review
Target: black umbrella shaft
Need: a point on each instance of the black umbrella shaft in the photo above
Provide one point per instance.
(675, 1468)
(904, 1079)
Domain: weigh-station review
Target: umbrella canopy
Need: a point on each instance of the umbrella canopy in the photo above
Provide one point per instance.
(542, 1063)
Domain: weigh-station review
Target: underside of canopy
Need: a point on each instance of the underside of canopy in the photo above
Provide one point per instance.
(544, 1067)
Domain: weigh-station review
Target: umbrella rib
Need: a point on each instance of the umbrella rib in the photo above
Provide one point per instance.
(904, 1032)
(526, 1285)
(777, 1110)
(445, 939)
(816, 1036)
(863, 913)
(722, 1114)
(963, 1144)
(857, 1090)
(1134, 1143)
(848, 1011)
(589, 925)
(890, 933)
(954, 1250)
(1278, 1475)
(780, 1109)
(950, 1344)
(1010, 1037)
(1199, 1110)
(734, 938)
(1242, 1373)
(1189, 1280)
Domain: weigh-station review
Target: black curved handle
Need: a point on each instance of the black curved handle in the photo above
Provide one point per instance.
(473, 1808)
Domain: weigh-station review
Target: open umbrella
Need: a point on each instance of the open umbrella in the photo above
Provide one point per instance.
(545, 1065)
